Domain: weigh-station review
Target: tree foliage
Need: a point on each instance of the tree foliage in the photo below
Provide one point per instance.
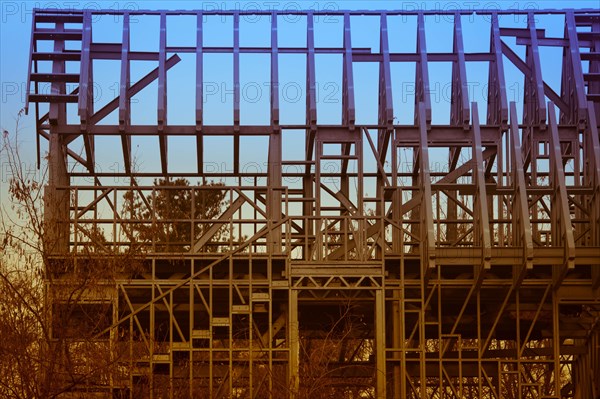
(176, 215)
(36, 359)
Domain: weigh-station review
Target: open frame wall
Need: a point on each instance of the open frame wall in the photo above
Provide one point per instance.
(479, 278)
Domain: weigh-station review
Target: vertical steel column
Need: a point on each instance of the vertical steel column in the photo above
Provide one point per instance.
(86, 95)
(191, 315)
(459, 116)
(124, 103)
(386, 116)
(199, 93)
(422, 95)
(426, 221)
(396, 316)
(236, 92)
(310, 188)
(593, 76)
(427, 243)
(556, 339)
(422, 92)
(459, 109)
(348, 111)
(56, 207)
(573, 76)
(403, 375)
(534, 107)
(162, 93)
(294, 343)
(274, 193)
(32, 49)
(152, 332)
(481, 213)
(380, 343)
(593, 155)
(497, 112)
(311, 89)
(274, 87)
(348, 107)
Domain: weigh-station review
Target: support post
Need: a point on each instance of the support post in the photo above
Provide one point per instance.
(294, 344)
(380, 344)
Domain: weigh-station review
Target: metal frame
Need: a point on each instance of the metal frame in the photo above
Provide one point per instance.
(482, 280)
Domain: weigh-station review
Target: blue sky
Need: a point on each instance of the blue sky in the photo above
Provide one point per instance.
(15, 36)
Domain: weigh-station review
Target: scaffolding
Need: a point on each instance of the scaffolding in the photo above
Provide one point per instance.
(479, 279)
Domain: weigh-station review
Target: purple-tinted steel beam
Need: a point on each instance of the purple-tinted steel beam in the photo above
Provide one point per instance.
(595, 162)
(594, 64)
(539, 107)
(348, 107)
(386, 110)
(236, 92)
(460, 89)
(594, 154)
(577, 82)
(86, 99)
(481, 199)
(459, 116)
(311, 90)
(199, 93)
(523, 67)
(563, 228)
(274, 193)
(274, 74)
(162, 93)
(426, 213)
(58, 109)
(84, 75)
(521, 220)
(294, 11)
(32, 49)
(124, 102)
(522, 33)
(422, 75)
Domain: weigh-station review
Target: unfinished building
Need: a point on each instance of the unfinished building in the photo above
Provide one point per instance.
(360, 267)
